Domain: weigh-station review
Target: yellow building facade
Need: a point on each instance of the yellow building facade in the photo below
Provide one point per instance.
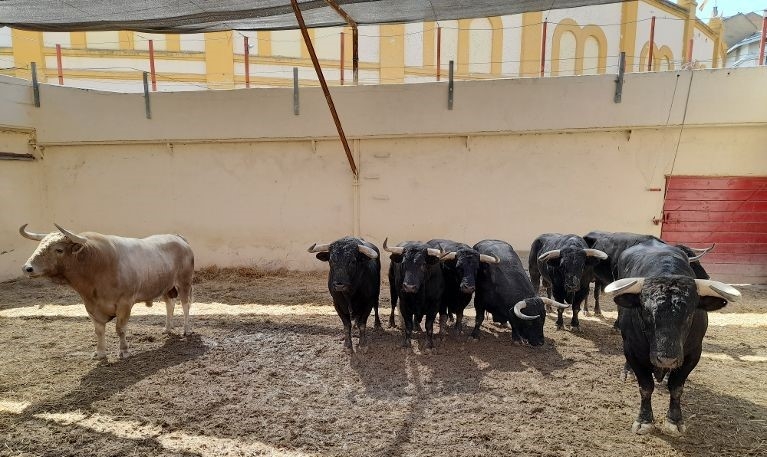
(577, 41)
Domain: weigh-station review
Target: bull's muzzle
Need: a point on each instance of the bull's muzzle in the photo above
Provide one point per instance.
(467, 289)
(409, 288)
(340, 287)
(28, 269)
(661, 361)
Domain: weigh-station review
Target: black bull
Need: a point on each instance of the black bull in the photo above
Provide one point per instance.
(664, 318)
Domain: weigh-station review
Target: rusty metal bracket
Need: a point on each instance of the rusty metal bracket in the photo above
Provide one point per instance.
(324, 84)
(355, 38)
(619, 80)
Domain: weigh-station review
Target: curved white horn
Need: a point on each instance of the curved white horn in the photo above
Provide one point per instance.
(549, 255)
(449, 256)
(625, 286)
(434, 252)
(30, 235)
(702, 251)
(393, 250)
(489, 258)
(595, 253)
(367, 251)
(556, 304)
(696, 258)
(319, 248)
(71, 236)
(708, 288)
(518, 311)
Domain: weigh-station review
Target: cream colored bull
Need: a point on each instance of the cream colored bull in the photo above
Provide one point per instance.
(112, 273)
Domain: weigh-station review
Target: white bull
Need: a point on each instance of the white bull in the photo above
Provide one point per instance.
(112, 273)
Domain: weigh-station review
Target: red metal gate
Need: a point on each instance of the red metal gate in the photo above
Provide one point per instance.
(729, 211)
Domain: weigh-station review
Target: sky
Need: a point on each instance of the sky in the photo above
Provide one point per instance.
(730, 7)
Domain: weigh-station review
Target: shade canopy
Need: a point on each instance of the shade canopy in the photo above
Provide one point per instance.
(193, 16)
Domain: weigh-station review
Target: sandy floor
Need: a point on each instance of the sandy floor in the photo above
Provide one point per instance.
(265, 374)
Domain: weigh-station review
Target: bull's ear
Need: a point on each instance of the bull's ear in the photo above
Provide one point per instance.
(627, 300)
(396, 258)
(709, 303)
(324, 256)
(592, 261)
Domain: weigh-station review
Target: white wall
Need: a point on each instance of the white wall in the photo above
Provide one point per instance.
(248, 182)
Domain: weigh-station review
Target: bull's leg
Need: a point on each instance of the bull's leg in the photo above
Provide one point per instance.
(644, 422)
(121, 325)
(586, 305)
(417, 319)
(407, 320)
(478, 321)
(169, 306)
(377, 323)
(185, 295)
(458, 327)
(575, 324)
(363, 344)
(560, 320)
(392, 323)
(101, 345)
(597, 290)
(346, 319)
(674, 425)
(430, 317)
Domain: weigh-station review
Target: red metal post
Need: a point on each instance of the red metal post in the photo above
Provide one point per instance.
(543, 48)
(247, 61)
(439, 51)
(652, 44)
(151, 66)
(342, 58)
(761, 41)
(58, 65)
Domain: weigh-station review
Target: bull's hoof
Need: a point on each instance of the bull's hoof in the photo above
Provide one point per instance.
(348, 350)
(187, 331)
(362, 349)
(642, 428)
(575, 328)
(474, 339)
(560, 326)
(167, 330)
(626, 375)
(598, 313)
(99, 356)
(672, 429)
(586, 312)
(123, 354)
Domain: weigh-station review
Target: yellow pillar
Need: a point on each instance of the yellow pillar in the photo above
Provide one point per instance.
(126, 40)
(28, 48)
(532, 28)
(78, 40)
(392, 52)
(717, 25)
(219, 60)
(689, 26)
(172, 42)
(430, 45)
(464, 35)
(496, 54)
(264, 43)
(629, 13)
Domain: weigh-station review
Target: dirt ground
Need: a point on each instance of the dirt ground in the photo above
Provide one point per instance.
(264, 373)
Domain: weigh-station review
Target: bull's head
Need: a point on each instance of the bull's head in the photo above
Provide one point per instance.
(566, 265)
(531, 313)
(666, 307)
(416, 258)
(466, 263)
(55, 253)
(348, 258)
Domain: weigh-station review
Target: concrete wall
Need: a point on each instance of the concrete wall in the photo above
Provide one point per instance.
(248, 182)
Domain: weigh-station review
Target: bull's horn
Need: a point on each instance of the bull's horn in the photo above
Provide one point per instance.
(434, 252)
(393, 250)
(595, 253)
(555, 304)
(518, 311)
(489, 258)
(449, 256)
(696, 258)
(30, 235)
(319, 248)
(549, 255)
(77, 239)
(708, 288)
(702, 251)
(367, 251)
(625, 286)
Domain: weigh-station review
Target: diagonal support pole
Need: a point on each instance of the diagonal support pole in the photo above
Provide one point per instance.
(324, 84)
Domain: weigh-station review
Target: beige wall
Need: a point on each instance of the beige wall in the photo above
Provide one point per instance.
(247, 182)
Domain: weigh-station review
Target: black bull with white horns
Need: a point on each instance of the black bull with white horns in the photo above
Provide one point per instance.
(664, 318)
(354, 282)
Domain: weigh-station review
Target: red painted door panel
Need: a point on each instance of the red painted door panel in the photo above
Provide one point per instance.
(731, 212)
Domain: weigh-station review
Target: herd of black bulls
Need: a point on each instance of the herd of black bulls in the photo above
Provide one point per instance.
(662, 292)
